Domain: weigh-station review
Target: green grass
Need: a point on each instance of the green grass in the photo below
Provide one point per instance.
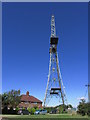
(45, 117)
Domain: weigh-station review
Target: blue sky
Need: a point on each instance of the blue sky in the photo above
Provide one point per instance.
(26, 41)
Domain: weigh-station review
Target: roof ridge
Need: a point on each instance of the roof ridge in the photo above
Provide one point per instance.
(30, 98)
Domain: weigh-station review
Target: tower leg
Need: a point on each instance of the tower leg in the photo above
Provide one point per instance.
(48, 81)
(59, 79)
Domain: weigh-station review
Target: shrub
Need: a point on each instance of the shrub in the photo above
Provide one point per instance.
(35, 107)
(29, 109)
(17, 109)
(33, 110)
(23, 108)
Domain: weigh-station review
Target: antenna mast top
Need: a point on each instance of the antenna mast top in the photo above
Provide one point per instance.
(53, 39)
(53, 31)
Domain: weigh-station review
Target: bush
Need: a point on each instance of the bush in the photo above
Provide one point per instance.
(23, 108)
(35, 107)
(29, 110)
(32, 111)
(5, 110)
(88, 113)
(17, 109)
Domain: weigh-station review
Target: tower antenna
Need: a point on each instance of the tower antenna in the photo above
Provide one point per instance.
(53, 30)
(55, 86)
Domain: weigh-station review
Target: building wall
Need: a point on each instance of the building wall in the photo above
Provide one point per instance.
(30, 105)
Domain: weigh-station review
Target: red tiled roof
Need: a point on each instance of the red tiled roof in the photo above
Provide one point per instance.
(30, 99)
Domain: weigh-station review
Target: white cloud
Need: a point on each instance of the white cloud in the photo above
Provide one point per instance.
(81, 98)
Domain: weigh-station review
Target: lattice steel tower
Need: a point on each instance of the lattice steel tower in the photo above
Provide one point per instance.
(55, 86)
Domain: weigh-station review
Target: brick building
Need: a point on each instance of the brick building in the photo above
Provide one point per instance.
(29, 101)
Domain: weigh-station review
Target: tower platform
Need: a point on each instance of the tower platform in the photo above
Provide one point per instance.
(55, 89)
(54, 40)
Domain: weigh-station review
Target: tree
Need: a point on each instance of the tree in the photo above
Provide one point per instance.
(87, 106)
(84, 108)
(69, 106)
(11, 99)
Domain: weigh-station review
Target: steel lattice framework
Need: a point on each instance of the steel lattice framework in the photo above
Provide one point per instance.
(55, 86)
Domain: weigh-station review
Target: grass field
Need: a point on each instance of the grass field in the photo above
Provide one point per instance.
(45, 117)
